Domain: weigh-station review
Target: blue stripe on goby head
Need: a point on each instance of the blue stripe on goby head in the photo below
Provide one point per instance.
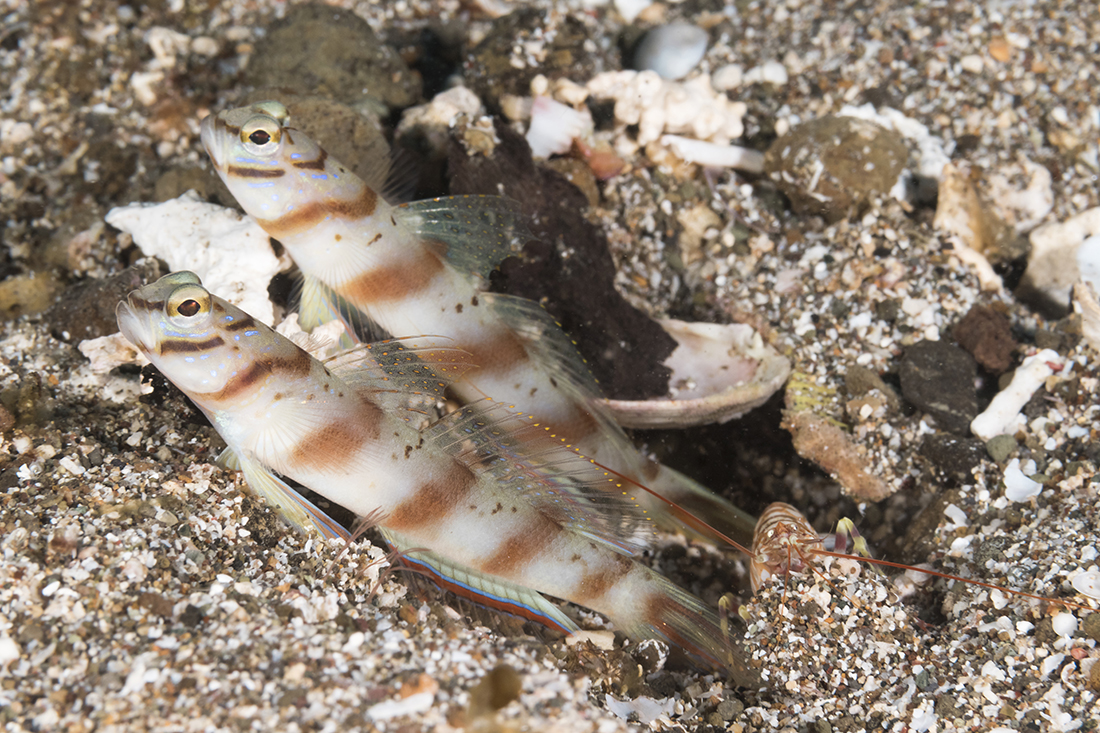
(498, 603)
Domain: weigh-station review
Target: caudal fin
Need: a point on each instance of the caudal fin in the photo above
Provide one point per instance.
(676, 616)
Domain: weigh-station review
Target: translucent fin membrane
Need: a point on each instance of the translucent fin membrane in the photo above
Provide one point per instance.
(518, 455)
(473, 233)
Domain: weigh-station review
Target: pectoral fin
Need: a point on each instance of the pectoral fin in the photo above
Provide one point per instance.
(295, 508)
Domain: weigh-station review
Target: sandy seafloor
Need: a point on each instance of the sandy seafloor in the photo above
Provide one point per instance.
(140, 588)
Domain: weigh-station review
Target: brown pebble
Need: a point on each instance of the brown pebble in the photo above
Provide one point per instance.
(938, 378)
(1091, 627)
(987, 336)
(1000, 50)
(156, 603)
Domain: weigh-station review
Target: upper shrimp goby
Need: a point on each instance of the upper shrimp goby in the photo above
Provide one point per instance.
(416, 269)
(816, 623)
(480, 499)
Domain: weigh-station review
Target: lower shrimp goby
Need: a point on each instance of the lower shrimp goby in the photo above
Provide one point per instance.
(496, 515)
(416, 268)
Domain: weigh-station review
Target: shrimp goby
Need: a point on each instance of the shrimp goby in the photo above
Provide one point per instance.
(477, 499)
(418, 268)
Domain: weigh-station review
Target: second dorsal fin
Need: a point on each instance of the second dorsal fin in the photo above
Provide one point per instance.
(409, 374)
(472, 233)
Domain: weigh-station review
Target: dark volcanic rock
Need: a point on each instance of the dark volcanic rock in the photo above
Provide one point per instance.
(938, 378)
(953, 457)
(87, 309)
(354, 67)
(623, 346)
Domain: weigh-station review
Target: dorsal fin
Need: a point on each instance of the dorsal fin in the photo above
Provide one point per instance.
(407, 376)
(518, 454)
(472, 233)
(375, 162)
(554, 352)
(546, 342)
(484, 589)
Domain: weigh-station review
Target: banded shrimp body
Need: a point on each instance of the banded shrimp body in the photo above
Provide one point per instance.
(907, 640)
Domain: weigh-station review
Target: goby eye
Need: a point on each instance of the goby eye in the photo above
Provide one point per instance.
(187, 302)
(261, 135)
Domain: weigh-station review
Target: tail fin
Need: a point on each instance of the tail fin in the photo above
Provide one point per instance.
(681, 619)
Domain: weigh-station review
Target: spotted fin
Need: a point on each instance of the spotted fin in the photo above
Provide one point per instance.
(295, 508)
(402, 375)
(518, 455)
(546, 343)
(472, 233)
(480, 588)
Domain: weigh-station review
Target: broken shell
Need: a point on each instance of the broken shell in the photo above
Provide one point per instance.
(719, 372)
(554, 126)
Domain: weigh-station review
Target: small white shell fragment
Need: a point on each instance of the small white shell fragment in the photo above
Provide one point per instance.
(713, 155)
(956, 515)
(1052, 266)
(972, 63)
(600, 639)
(1004, 411)
(1051, 663)
(728, 77)
(643, 709)
(671, 50)
(204, 46)
(107, 352)
(771, 72)
(1087, 584)
(166, 44)
(1024, 208)
(1019, 487)
(228, 251)
(631, 9)
(992, 671)
(437, 116)
(9, 650)
(1064, 624)
(554, 126)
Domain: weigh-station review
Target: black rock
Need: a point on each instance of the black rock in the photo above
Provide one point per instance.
(939, 379)
(87, 309)
(952, 457)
